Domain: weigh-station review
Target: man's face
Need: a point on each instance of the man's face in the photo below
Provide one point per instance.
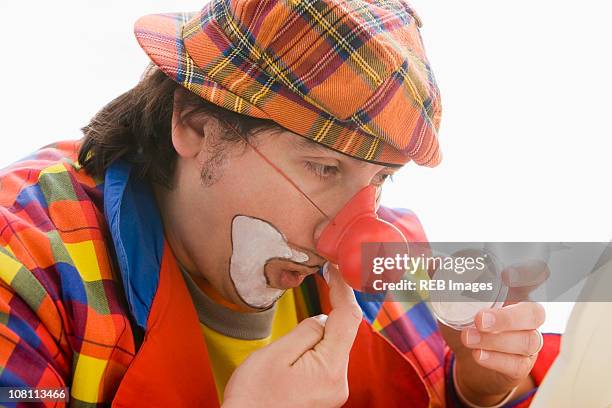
(244, 227)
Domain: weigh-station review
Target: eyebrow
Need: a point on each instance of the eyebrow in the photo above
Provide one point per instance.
(308, 145)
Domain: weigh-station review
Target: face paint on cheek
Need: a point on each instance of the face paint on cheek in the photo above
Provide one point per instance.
(254, 242)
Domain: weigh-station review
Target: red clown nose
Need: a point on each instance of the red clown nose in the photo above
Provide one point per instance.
(357, 223)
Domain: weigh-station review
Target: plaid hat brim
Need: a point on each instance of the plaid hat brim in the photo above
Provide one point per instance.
(194, 50)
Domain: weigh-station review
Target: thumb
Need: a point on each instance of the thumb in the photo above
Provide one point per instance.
(290, 347)
(344, 318)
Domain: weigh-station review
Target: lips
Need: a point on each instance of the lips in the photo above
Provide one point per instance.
(286, 274)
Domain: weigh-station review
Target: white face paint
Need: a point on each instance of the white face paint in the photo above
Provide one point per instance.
(254, 242)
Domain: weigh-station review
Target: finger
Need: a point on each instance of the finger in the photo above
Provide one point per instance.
(523, 278)
(340, 293)
(344, 319)
(524, 342)
(290, 347)
(513, 366)
(519, 316)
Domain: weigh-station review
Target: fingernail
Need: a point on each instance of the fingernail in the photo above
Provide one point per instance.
(484, 354)
(326, 272)
(488, 320)
(472, 337)
(321, 319)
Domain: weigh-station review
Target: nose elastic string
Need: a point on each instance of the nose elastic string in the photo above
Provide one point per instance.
(279, 171)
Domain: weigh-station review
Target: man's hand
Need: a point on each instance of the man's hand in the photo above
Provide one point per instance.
(499, 353)
(308, 366)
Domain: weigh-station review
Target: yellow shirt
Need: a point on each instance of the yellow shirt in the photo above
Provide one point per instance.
(232, 335)
(226, 353)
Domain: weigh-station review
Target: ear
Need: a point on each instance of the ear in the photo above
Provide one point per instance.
(187, 137)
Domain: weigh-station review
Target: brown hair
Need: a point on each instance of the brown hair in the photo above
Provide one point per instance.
(136, 127)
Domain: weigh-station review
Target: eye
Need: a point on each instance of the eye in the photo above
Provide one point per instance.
(323, 171)
(381, 178)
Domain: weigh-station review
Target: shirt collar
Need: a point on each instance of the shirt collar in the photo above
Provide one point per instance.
(137, 232)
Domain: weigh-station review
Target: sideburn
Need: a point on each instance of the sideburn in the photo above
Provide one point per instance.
(213, 166)
(225, 146)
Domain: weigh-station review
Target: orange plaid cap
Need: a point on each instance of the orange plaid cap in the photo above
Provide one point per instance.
(351, 75)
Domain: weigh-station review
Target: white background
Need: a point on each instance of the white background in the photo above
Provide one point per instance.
(525, 86)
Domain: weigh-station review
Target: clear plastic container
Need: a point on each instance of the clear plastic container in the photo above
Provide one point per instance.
(457, 308)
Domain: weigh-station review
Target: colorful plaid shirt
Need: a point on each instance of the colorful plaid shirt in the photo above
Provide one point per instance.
(82, 264)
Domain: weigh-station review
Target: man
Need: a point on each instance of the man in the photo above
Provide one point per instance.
(169, 258)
